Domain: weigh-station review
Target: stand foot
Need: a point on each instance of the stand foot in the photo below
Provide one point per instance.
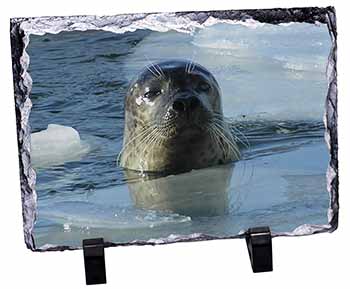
(259, 243)
(94, 260)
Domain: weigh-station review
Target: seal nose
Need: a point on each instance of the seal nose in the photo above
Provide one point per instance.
(185, 104)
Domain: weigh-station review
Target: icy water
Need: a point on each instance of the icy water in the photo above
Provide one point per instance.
(274, 87)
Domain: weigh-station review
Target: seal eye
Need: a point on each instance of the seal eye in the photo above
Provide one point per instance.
(152, 93)
(203, 86)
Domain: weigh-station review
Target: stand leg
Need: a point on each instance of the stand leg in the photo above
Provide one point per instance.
(94, 260)
(259, 243)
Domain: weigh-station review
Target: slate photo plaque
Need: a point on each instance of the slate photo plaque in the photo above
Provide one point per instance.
(156, 128)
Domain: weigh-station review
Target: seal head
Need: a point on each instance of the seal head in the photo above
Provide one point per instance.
(174, 121)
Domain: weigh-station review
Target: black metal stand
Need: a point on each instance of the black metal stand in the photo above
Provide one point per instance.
(259, 243)
(94, 260)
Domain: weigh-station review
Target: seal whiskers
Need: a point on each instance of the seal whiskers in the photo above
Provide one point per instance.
(153, 141)
(228, 144)
(144, 134)
(230, 123)
(157, 70)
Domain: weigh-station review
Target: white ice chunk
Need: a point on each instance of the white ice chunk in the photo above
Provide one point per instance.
(56, 145)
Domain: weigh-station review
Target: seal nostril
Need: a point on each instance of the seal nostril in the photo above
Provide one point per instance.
(194, 102)
(179, 105)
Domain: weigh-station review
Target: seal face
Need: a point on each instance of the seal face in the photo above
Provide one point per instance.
(174, 121)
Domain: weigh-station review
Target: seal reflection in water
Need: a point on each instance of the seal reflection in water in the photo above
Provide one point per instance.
(174, 124)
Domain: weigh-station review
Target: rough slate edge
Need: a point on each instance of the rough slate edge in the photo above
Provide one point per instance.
(23, 83)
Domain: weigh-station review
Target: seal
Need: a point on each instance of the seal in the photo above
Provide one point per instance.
(174, 120)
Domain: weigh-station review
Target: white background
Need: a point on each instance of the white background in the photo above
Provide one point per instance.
(318, 261)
